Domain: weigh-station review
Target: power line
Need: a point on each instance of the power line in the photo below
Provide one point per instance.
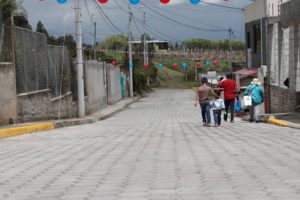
(106, 18)
(101, 15)
(88, 11)
(181, 23)
(109, 19)
(136, 25)
(177, 14)
(222, 6)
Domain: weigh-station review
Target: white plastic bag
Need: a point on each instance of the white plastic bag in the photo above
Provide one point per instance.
(219, 104)
(247, 101)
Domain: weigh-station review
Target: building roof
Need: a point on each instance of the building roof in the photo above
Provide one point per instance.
(148, 41)
(247, 72)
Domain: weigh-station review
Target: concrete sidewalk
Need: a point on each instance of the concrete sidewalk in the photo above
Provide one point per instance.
(25, 128)
(291, 120)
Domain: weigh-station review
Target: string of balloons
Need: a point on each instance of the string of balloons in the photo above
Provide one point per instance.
(135, 2)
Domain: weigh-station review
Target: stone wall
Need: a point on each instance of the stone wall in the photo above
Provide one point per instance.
(282, 100)
(39, 105)
(95, 84)
(8, 99)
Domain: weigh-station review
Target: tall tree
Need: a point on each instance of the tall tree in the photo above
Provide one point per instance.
(40, 28)
(7, 6)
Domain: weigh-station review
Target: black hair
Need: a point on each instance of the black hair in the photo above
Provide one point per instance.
(221, 78)
(229, 75)
(218, 92)
(204, 80)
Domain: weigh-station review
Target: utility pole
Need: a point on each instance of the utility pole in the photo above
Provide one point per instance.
(196, 70)
(79, 62)
(95, 38)
(146, 48)
(130, 53)
(230, 49)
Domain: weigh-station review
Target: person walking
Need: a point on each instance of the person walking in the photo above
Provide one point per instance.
(229, 86)
(202, 96)
(218, 106)
(256, 92)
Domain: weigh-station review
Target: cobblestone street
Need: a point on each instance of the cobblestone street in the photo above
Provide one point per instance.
(156, 149)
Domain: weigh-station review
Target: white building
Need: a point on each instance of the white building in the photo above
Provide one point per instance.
(277, 46)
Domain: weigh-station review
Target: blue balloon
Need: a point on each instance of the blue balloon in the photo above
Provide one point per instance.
(160, 65)
(130, 65)
(134, 2)
(195, 1)
(184, 65)
(62, 1)
(207, 63)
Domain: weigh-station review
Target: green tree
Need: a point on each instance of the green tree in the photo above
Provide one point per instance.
(213, 44)
(115, 42)
(7, 6)
(40, 28)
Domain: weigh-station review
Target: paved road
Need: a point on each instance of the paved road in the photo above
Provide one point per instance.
(156, 149)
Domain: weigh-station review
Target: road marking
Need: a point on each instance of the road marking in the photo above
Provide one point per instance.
(11, 132)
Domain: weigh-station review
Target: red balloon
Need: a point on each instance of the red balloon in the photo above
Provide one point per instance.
(198, 64)
(146, 65)
(175, 65)
(216, 62)
(114, 63)
(164, 1)
(102, 1)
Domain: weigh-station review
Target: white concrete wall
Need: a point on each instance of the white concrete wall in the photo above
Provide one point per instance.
(8, 94)
(114, 85)
(274, 54)
(285, 56)
(256, 10)
(95, 86)
(298, 61)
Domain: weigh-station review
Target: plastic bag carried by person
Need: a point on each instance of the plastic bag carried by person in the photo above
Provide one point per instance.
(238, 106)
(218, 104)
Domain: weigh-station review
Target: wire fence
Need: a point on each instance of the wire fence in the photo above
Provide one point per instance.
(40, 66)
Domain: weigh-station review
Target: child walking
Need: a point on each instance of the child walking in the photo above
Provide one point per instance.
(218, 105)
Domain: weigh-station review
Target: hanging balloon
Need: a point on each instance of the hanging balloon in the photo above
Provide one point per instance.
(175, 65)
(160, 65)
(216, 62)
(207, 63)
(130, 65)
(195, 1)
(198, 64)
(164, 1)
(184, 65)
(145, 65)
(134, 2)
(114, 63)
(102, 1)
(62, 1)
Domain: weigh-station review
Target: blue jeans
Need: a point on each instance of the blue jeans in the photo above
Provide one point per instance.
(205, 111)
(217, 117)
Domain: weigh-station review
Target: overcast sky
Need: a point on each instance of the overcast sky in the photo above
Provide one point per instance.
(59, 19)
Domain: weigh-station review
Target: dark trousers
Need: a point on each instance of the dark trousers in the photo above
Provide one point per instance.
(229, 106)
(217, 117)
(205, 111)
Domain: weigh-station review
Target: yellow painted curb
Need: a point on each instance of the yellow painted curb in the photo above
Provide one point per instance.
(277, 122)
(10, 132)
